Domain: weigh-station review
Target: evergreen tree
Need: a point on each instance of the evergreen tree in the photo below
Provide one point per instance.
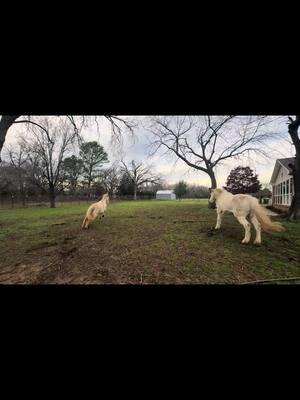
(242, 180)
(180, 189)
(93, 157)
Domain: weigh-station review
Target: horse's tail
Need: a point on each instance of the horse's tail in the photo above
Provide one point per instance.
(265, 221)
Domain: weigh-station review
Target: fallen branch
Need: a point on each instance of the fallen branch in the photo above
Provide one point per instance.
(294, 278)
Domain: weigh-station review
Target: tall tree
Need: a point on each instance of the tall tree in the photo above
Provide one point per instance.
(7, 180)
(47, 143)
(293, 128)
(125, 186)
(204, 142)
(139, 175)
(180, 189)
(18, 160)
(72, 167)
(242, 180)
(93, 157)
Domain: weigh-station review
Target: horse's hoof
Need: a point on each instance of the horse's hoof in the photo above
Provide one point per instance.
(257, 243)
(245, 241)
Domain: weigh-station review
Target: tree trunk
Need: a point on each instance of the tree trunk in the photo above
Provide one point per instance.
(23, 199)
(23, 196)
(5, 123)
(213, 186)
(294, 211)
(52, 197)
(134, 194)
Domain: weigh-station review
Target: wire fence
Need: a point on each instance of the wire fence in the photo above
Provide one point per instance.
(7, 202)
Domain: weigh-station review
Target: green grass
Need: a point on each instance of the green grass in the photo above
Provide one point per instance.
(139, 242)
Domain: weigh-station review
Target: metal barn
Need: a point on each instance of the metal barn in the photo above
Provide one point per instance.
(165, 195)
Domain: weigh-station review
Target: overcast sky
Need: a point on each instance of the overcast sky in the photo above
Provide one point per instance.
(172, 169)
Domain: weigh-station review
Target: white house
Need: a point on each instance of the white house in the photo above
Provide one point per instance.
(165, 195)
(282, 183)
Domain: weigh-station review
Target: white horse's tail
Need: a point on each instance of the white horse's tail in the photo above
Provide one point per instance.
(265, 221)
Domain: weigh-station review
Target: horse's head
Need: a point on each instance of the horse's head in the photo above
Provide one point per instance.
(106, 197)
(214, 194)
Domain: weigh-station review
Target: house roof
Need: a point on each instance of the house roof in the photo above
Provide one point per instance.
(165, 192)
(282, 162)
(286, 161)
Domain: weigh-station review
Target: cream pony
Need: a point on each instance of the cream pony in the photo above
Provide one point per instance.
(96, 210)
(243, 206)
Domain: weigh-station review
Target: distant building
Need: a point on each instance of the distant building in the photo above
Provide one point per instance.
(282, 183)
(165, 195)
(263, 195)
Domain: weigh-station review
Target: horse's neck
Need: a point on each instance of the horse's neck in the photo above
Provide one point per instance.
(225, 200)
(103, 202)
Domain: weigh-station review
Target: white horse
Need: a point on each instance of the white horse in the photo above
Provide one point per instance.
(95, 210)
(243, 206)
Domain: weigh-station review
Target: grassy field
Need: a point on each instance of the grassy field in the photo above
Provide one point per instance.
(148, 242)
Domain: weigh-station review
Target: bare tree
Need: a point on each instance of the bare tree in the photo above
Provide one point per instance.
(204, 142)
(139, 175)
(118, 124)
(47, 143)
(7, 180)
(293, 128)
(72, 167)
(18, 160)
(110, 178)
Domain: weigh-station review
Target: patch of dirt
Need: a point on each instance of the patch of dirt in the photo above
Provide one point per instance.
(185, 222)
(40, 246)
(65, 252)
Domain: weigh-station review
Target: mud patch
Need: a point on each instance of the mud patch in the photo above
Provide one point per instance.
(39, 246)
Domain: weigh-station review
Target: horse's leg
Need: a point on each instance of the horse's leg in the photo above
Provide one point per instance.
(257, 227)
(243, 221)
(83, 224)
(219, 219)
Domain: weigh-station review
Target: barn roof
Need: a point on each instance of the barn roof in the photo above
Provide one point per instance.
(165, 192)
(282, 162)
